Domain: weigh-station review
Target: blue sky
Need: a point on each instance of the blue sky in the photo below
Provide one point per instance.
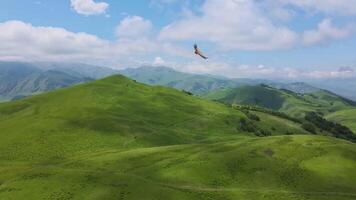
(294, 39)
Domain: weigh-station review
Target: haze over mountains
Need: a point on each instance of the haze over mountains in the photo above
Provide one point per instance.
(201, 84)
(20, 79)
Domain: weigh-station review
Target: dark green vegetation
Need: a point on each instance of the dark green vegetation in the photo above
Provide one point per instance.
(18, 80)
(336, 129)
(254, 95)
(119, 139)
(286, 101)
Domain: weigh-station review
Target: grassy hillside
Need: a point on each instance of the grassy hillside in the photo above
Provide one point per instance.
(345, 117)
(287, 167)
(118, 139)
(114, 112)
(254, 95)
(282, 100)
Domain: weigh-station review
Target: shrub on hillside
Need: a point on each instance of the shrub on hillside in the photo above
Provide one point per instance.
(268, 111)
(253, 117)
(247, 125)
(309, 127)
(188, 93)
(336, 129)
(263, 133)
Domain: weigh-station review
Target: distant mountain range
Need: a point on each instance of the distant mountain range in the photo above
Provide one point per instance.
(19, 79)
(345, 87)
(203, 84)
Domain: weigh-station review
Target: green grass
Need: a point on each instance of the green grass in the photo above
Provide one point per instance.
(115, 112)
(345, 117)
(293, 104)
(286, 167)
(278, 125)
(118, 139)
(252, 95)
(218, 94)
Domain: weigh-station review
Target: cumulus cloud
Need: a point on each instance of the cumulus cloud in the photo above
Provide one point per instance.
(258, 25)
(232, 24)
(89, 7)
(261, 71)
(23, 41)
(133, 26)
(327, 32)
(340, 7)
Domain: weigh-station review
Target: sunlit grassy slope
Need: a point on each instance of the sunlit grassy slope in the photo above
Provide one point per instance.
(118, 139)
(345, 117)
(112, 113)
(294, 104)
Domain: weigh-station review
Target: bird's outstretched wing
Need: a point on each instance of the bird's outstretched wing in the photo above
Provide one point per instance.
(198, 52)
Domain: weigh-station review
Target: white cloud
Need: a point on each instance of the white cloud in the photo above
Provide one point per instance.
(327, 32)
(23, 41)
(232, 24)
(89, 7)
(158, 61)
(258, 25)
(260, 71)
(19, 39)
(340, 7)
(133, 26)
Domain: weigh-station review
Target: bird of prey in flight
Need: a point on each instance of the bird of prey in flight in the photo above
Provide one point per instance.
(198, 52)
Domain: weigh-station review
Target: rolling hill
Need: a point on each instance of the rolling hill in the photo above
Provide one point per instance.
(18, 79)
(291, 103)
(119, 139)
(345, 117)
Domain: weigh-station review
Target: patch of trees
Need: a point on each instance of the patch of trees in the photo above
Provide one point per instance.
(268, 111)
(251, 115)
(309, 127)
(188, 93)
(247, 125)
(338, 130)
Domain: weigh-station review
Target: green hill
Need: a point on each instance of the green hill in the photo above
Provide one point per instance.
(112, 111)
(345, 117)
(119, 139)
(291, 103)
